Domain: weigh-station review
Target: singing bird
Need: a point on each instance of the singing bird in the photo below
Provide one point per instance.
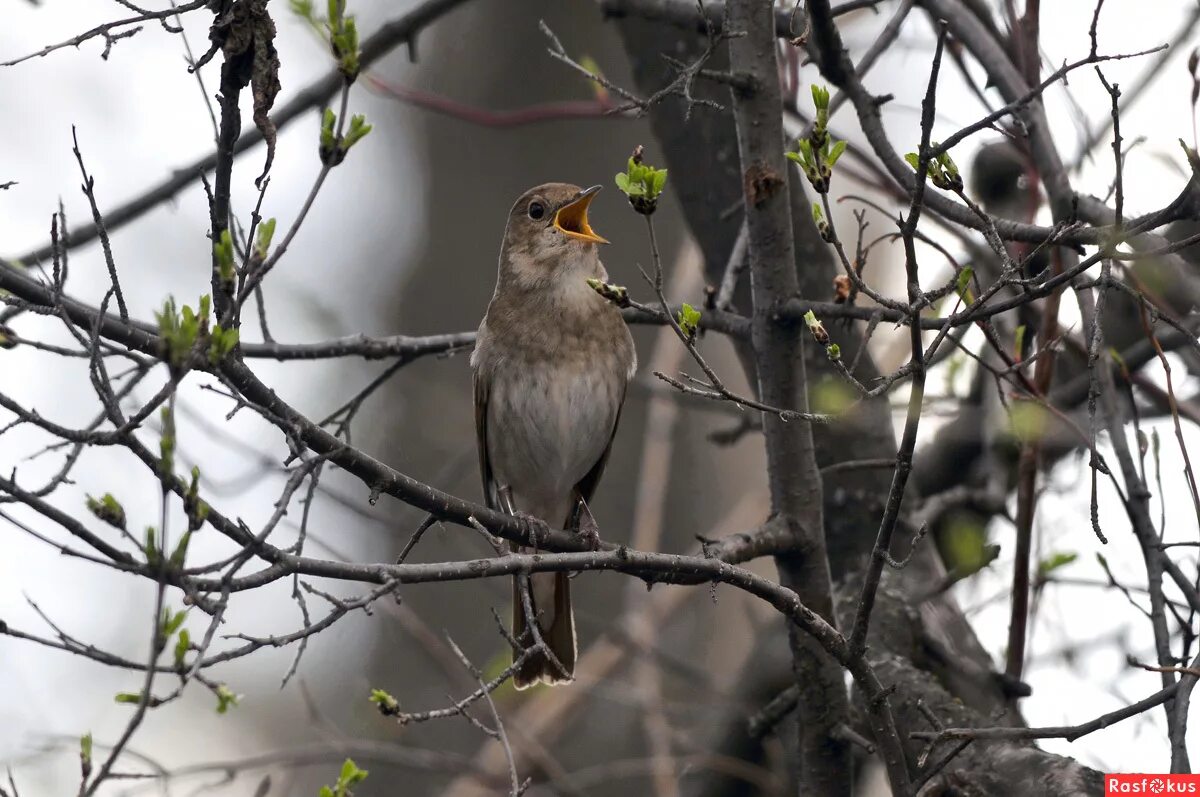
(551, 364)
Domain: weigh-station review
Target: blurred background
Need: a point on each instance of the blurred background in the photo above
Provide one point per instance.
(403, 239)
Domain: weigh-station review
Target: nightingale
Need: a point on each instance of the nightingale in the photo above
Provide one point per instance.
(551, 364)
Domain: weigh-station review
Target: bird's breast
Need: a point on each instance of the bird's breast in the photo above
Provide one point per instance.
(549, 422)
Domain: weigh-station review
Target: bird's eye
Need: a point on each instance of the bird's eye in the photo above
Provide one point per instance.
(536, 210)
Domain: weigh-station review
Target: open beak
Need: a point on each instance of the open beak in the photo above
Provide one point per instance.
(572, 218)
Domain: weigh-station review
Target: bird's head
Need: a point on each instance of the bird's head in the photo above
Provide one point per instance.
(548, 231)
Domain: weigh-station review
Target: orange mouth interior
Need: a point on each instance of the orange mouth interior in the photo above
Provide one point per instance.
(572, 220)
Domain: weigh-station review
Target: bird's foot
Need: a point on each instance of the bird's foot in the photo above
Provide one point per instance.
(538, 528)
(587, 528)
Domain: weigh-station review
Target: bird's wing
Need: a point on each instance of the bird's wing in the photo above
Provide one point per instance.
(482, 387)
(587, 485)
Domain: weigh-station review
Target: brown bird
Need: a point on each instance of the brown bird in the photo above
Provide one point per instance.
(551, 364)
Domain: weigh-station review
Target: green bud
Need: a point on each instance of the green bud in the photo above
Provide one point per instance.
(823, 228)
(328, 142)
(816, 328)
(388, 705)
(223, 251)
(689, 320)
(264, 234)
(107, 509)
(349, 777)
(221, 342)
(166, 443)
(617, 294)
(150, 548)
(641, 183)
(226, 698)
(820, 96)
(85, 754)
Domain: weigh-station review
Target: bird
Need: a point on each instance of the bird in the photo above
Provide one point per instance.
(551, 365)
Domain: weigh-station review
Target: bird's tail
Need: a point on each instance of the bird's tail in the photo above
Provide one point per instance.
(550, 594)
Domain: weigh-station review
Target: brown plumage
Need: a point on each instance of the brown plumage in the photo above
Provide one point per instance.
(551, 365)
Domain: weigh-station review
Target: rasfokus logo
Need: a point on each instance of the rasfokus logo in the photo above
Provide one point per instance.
(1143, 783)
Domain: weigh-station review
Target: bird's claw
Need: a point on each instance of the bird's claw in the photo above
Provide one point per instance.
(587, 527)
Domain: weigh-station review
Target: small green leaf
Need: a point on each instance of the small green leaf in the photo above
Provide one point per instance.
(962, 284)
(1019, 343)
(1118, 359)
(835, 152)
(913, 160)
(810, 317)
(590, 64)
(834, 351)
(1055, 561)
(181, 647)
(622, 180)
(818, 217)
(128, 698)
(357, 132)
(85, 748)
(1028, 420)
(660, 181)
(349, 770)
(171, 622)
(265, 232)
(302, 9)
(179, 555)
